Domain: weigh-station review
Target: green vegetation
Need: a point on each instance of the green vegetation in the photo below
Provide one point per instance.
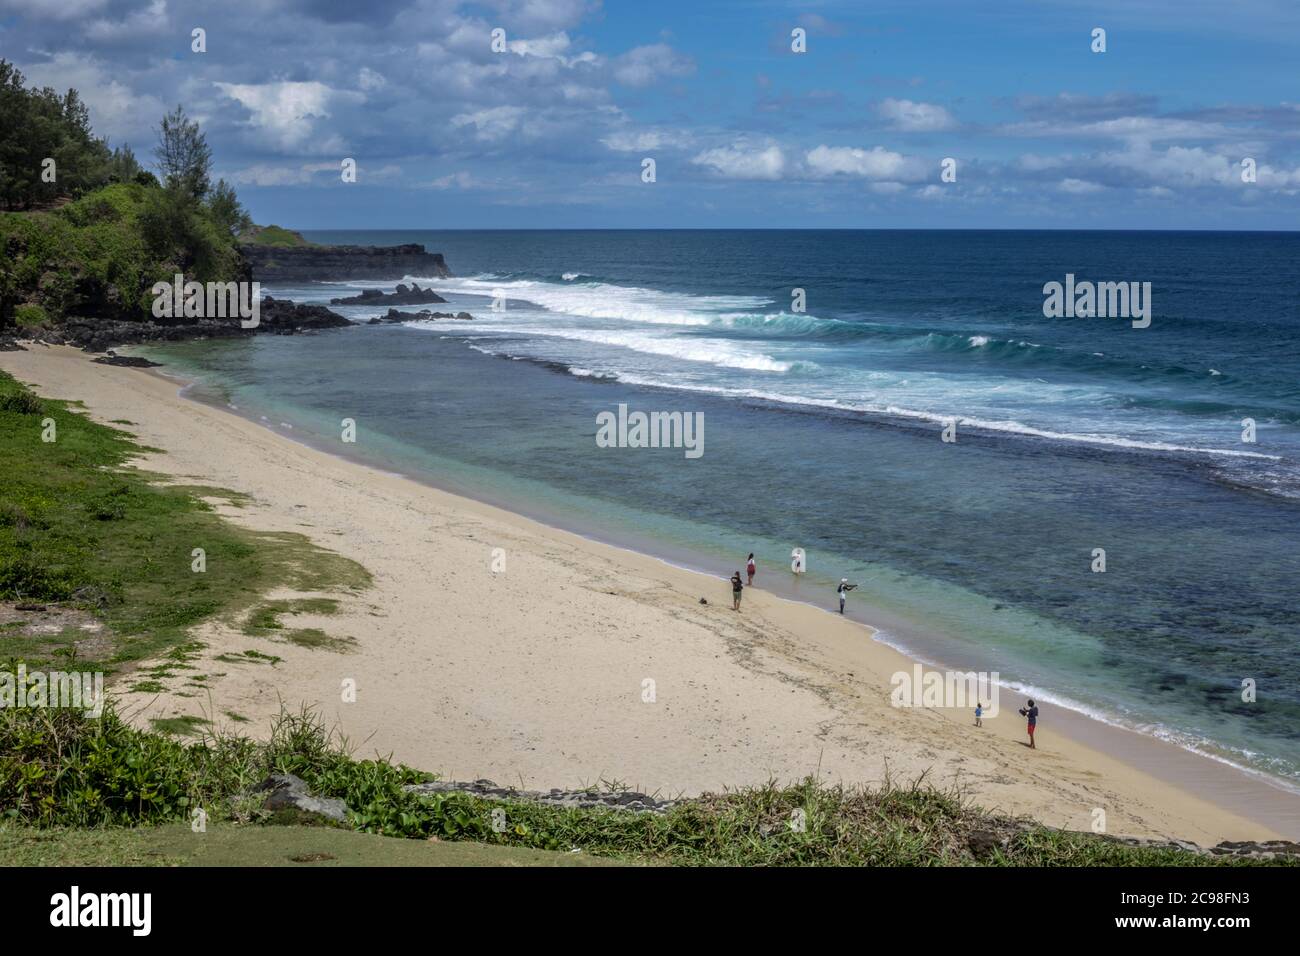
(272, 236)
(264, 621)
(232, 845)
(39, 125)
(82, 531)
(29, 317)
(61, 769)
(116, 230)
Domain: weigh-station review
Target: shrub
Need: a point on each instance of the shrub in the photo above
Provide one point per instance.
(29, 316)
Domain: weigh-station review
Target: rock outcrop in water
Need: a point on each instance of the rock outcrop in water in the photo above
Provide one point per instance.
(314, 263)
(392, 315)
(412, 295)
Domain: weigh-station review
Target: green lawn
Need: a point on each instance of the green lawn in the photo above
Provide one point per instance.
(231, 845)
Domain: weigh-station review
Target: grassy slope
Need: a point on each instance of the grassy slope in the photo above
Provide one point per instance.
(94, 257)
(231, 845)
(81, 528)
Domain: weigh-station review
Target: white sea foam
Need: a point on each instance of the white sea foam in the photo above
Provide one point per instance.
(600, 300)
(712, 351)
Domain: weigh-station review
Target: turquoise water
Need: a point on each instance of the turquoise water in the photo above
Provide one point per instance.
(823, 432)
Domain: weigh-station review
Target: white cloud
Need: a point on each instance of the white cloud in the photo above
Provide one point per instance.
(742, 162)
(265, 174)
(913, 117)
(1079, 187)
(874, 163)
(461, 180)
(646, 64)
(285, 113)
(143, 22)
(553, 47)
(491, 124)
(1136, 128)
(369, 80)
(628, 141)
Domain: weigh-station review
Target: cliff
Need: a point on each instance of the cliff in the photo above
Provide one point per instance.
(307, 263)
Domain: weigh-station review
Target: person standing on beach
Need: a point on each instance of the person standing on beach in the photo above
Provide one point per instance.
(843, 591)
(1031, 713)
(979, 713)
(751, 568)
(736, 588)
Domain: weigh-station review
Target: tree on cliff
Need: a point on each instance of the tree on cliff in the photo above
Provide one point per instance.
(227, 210)
(47, 149)
(183, 155)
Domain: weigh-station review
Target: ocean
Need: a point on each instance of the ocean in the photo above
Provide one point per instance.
(824, 430)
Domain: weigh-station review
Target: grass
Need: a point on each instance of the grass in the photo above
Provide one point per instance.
(81, 528)
(178, 726)
(276, 236)
(264, 621)
(254, 845)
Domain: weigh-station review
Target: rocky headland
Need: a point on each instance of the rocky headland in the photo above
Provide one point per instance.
(314, 263)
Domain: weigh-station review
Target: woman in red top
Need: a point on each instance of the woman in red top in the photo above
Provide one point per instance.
(751, 568)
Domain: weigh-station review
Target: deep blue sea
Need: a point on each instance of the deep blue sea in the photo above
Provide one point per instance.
(823, 430)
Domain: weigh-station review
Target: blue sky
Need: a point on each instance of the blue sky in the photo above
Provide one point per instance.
(553, 131)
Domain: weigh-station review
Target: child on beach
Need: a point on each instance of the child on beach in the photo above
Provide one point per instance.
(979, 714)
(843, 591)
(736, 588)
(1031, 712)
(751, 568)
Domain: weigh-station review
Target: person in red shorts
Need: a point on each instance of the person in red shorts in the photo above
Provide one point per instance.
(1030, 712)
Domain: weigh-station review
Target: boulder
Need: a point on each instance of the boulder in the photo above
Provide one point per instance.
(287, 792)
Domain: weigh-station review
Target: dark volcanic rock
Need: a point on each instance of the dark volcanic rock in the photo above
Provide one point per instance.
(128, 361)
(392, 315)
(284, 317)
(277, 316)
(403, 296)
(270, 263)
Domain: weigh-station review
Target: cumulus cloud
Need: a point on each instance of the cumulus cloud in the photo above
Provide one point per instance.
(874, 163)
(743, 162)
(912, 117)
(285, 114)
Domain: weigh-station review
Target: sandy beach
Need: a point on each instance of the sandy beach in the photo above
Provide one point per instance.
(535, 673)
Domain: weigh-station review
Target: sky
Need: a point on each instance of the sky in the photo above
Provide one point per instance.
(554, 127)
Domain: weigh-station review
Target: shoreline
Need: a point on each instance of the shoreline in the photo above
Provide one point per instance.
(802, 673)
(1183, 758)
